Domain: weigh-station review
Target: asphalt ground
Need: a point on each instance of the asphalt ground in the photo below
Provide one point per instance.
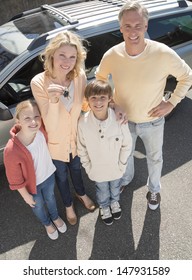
(140, 234)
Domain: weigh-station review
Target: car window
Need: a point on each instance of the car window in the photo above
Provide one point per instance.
(5, 57)
(172, 30)
(16, 35)
(18, 87)
(97, 46)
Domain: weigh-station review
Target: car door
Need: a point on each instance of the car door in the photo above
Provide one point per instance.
(174, 30)
(15, 90)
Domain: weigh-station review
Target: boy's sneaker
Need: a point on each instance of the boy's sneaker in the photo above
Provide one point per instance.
(153, 200)
(116, 210)
(106, 216)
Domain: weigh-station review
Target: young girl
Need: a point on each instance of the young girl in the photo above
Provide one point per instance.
(59, 92)
(29, 167)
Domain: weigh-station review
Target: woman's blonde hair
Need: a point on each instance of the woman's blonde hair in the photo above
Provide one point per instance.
(64, 38)
(23, 105)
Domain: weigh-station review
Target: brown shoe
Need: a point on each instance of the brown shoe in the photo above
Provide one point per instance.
(87, 202)
(71, 216)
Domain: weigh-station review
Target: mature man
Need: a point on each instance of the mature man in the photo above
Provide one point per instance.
(139, 69)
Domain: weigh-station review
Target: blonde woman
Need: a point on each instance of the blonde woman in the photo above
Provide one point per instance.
(59, 92)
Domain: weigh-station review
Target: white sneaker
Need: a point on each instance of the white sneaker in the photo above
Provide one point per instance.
(106, 215)
(116, 210)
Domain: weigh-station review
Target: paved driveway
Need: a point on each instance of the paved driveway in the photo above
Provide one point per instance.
(139, 234)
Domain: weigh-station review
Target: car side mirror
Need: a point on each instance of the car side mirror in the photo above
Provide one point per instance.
(5, 113)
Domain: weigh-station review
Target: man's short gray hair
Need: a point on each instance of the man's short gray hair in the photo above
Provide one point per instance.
(133, 6)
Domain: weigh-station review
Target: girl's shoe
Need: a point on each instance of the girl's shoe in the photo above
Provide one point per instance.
(60, 225)
(71, 216)
(87, 202)
(52, 232)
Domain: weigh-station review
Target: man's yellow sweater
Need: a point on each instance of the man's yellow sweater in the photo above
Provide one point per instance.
(140, 81)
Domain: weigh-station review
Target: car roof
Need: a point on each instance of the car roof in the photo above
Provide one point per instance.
(75, 14)
(87, 14)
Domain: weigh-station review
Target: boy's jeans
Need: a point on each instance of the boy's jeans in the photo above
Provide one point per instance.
(45, 208)
(107, 192)
(151, 134)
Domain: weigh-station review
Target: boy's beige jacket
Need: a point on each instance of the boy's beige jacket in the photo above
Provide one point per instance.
(103, 149)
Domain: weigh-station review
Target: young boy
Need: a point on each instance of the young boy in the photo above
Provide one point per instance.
(103, 145)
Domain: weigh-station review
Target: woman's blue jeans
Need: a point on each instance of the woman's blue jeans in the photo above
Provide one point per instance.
(61, 173)
(107, 192)
(151, 134)
(46, 208)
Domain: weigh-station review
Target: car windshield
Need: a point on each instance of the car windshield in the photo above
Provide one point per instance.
(15, 36)
(34, 25)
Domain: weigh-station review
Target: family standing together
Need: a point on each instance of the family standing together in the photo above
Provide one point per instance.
(102, 139)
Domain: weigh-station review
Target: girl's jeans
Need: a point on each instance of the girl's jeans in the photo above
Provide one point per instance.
(45, 208)
(107, 192)
(74, 167)
(151, 134)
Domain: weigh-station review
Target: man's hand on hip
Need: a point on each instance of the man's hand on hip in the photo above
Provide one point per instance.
(163, 109)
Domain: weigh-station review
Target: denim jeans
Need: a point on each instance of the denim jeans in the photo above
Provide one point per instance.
(46, 208)
(61, 174)
(151, 134)
(107, 192)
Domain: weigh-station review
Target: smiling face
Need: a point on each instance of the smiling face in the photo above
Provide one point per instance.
(133, 26)
(29, 119)
(99, 105)
(64, 59)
